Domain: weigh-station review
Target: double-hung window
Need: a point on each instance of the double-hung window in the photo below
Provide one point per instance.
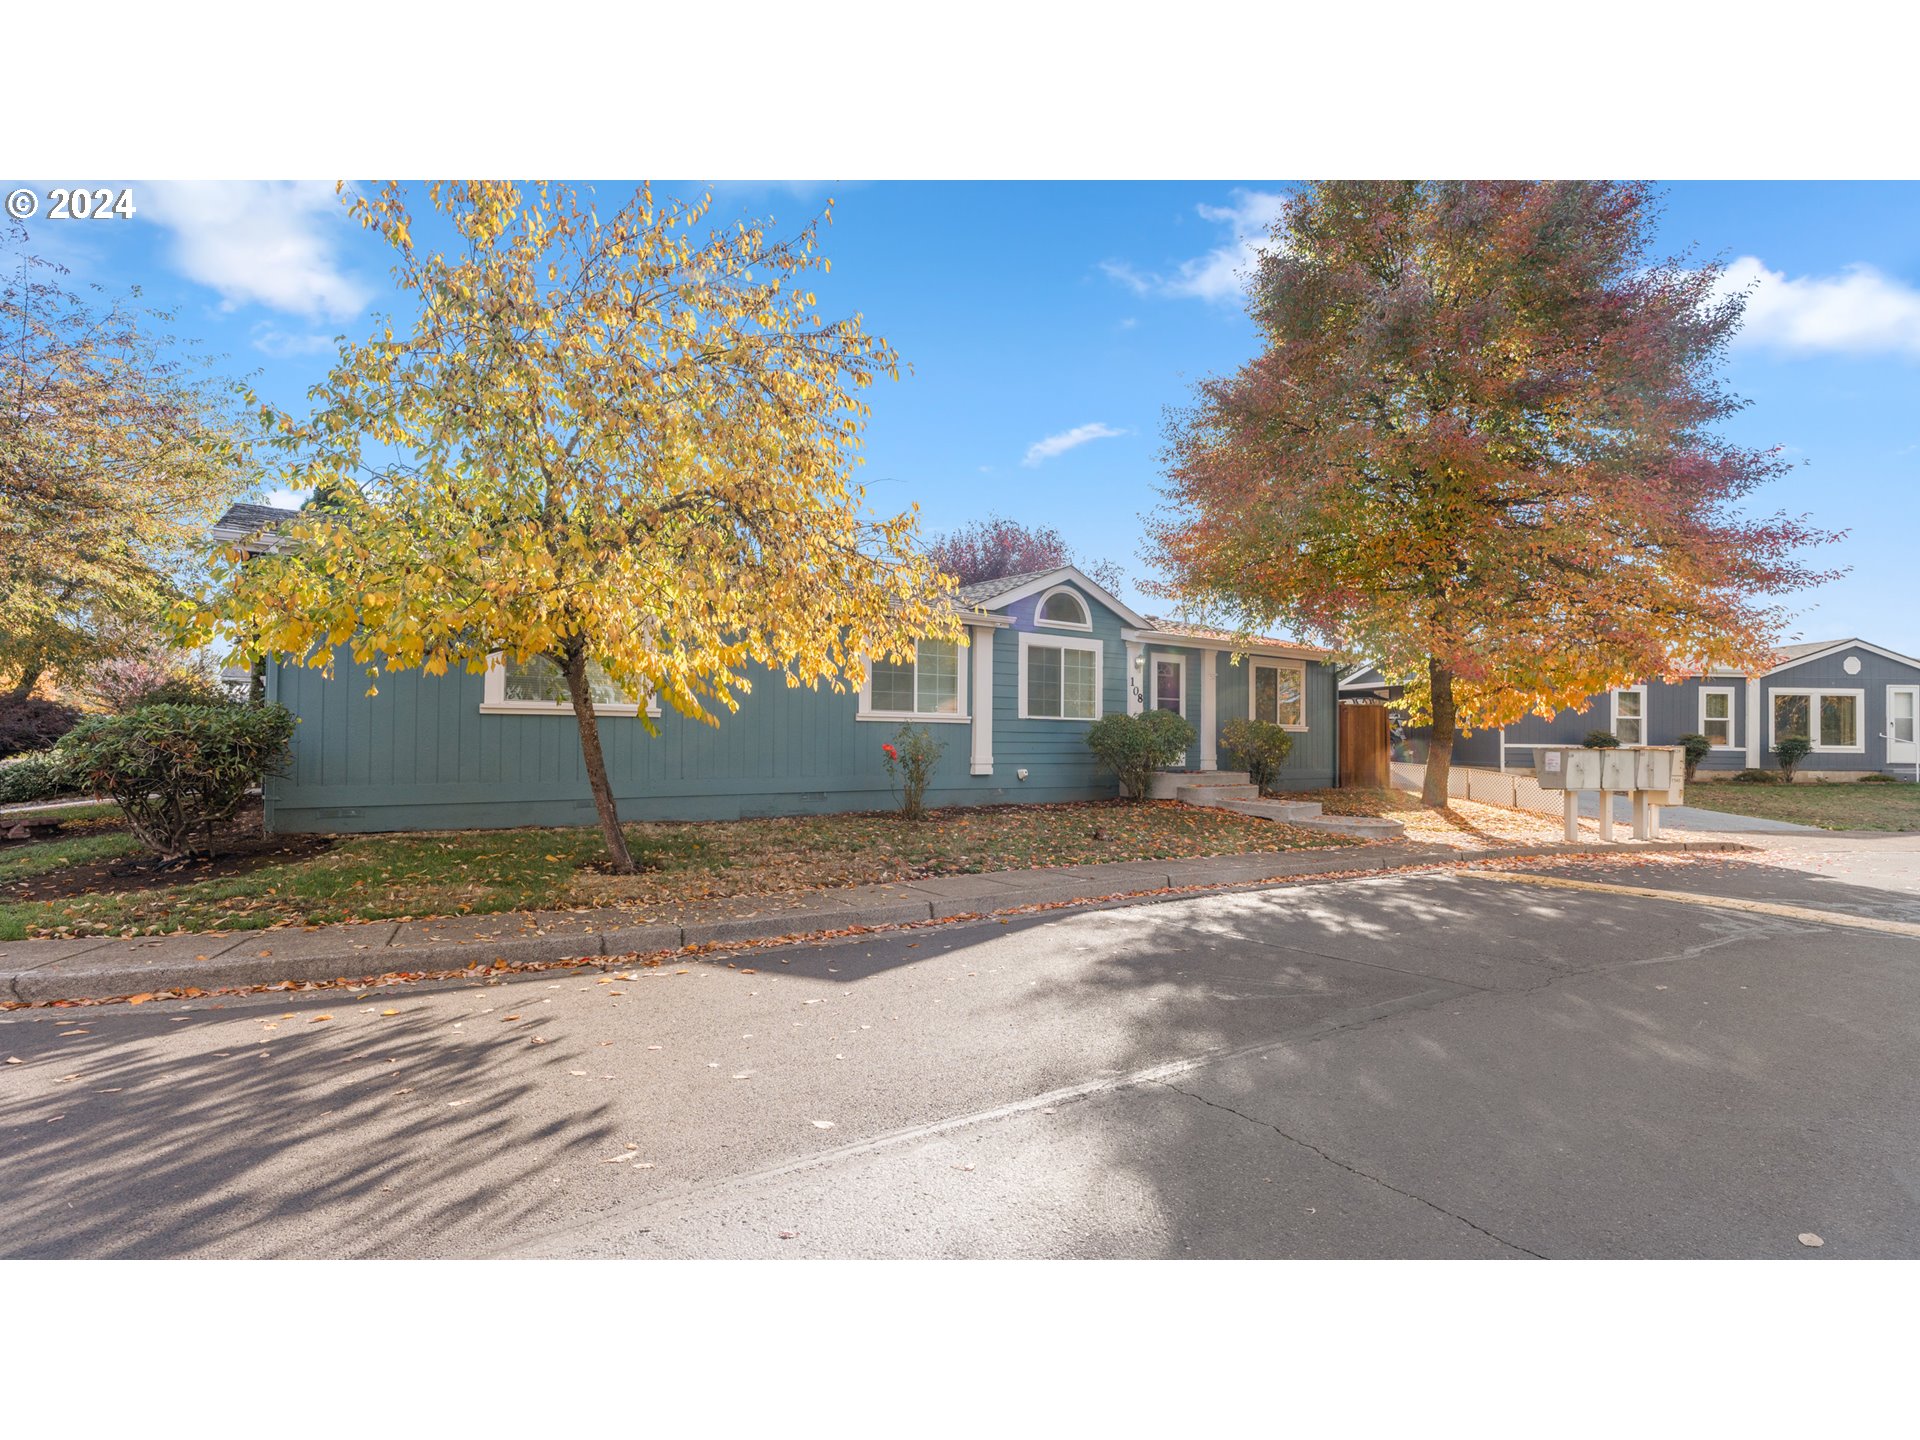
(1630, 715)
(1059, 678)
(1716, 716)
(930, 686)
(1278, 695)
(535, 686)
(1830, 719)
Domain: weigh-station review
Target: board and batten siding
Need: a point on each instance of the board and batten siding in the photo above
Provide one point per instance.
(1310, 764)
(420, 755)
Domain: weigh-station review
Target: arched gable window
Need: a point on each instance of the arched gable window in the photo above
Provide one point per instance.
(1064, 609)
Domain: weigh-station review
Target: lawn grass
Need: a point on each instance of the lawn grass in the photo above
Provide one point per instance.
(81, 814)
(485, 871)
(1831, 805)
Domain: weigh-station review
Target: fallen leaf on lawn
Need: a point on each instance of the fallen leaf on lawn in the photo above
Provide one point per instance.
(1811, 1240)
(823, 1124)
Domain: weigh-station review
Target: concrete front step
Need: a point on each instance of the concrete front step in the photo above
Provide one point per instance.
(1216, 795)
(1293, 812)
(1361, 827)
(1167, 783)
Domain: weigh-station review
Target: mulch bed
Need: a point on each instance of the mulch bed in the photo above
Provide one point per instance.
(238, 848)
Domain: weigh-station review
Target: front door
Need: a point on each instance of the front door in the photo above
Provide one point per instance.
(1903, 724)
(1170, 683)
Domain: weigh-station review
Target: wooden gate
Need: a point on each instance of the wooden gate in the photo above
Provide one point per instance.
(1365, 755)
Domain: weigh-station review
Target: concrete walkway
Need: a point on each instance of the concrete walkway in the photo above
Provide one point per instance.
(1690, 817)
(37, 970)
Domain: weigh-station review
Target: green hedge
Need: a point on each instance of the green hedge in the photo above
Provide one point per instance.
(1134, 746)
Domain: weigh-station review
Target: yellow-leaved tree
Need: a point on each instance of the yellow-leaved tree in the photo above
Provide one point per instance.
(619, 444)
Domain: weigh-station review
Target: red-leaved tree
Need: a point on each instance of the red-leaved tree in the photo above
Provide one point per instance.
(1478, 446)
(991, 548)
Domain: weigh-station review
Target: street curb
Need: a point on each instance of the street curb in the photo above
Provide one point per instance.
(65, 976)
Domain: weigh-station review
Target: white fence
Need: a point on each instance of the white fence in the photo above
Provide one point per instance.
(1514, 789)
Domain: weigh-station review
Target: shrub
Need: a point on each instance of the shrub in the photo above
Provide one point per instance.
(1601, 740)
(30, 724)
(910, 760)
(177, 770)
(185, 688)
(1790, 752)
(1757, 777)
(1879, 777)
(1258, 748)
(1698, 748)
(127, 682)
(28, 779)
(1134, 746)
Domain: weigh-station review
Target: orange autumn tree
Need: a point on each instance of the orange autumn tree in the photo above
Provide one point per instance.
(617, 447)
(1479, 447)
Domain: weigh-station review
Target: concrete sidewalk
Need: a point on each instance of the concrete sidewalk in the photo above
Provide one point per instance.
(37, 970)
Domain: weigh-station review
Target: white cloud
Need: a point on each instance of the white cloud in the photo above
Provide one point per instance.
(266, 242)
(1860, 311)
(1066, 440)
(284, 498)
(1222, 273)
(271, 340)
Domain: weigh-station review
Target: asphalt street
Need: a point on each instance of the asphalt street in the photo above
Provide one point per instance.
(1430, 1065)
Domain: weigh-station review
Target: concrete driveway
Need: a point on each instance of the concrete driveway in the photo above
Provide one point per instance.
(1419, 1066)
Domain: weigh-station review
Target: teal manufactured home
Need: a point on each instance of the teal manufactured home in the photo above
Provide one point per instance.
(1046, 654)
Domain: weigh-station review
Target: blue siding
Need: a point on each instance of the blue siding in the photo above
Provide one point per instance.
(420, 755)
(1310, 764)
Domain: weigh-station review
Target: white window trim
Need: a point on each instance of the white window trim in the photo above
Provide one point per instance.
(961, 716)
(1085, 609)
(1155, 659)
(1299, 668)
(1814, 697)
(493, 698)
(1733, 714)
(1614, 726)
(1064, 642)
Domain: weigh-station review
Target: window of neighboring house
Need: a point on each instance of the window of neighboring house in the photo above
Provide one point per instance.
(1059, 679)
(1716, 717)
(535, 686)
(1279, 693)
(1629, 715)
(1063, 608)
(931, 686)
(1170, 683)
(1828, 718)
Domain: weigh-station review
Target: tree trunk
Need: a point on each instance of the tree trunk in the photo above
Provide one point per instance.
(1433, 790)
(29, 677)
(574, 665)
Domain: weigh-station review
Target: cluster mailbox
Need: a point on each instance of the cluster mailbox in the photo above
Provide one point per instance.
(1651, 775)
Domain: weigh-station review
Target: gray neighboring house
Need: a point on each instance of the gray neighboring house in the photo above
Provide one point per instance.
(1857, 702)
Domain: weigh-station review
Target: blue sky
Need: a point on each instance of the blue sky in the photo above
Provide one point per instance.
(1049, 325)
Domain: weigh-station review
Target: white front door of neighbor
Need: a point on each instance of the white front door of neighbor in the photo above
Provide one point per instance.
(1903, 724)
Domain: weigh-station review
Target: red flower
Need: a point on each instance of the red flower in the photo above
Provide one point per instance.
(890, 753)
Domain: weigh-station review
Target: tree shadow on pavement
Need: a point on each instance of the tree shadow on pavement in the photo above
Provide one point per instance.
(352, 1134)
